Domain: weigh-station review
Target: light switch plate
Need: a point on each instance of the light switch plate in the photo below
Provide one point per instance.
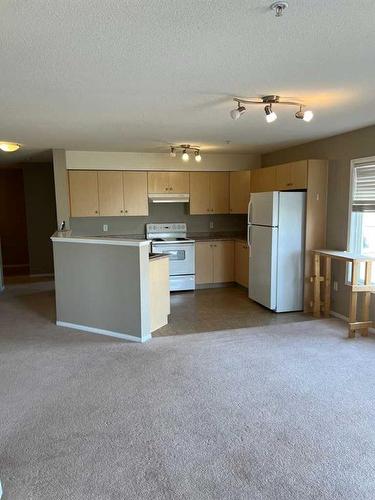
(211, 225)
(105, 227)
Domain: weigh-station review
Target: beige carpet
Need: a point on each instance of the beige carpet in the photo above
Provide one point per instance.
(277, 412)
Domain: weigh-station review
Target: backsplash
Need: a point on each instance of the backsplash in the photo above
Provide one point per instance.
(176, 212)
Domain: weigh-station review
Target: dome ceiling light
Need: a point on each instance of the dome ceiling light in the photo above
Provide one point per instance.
(186, 149)
(270, 100)
(9, 147)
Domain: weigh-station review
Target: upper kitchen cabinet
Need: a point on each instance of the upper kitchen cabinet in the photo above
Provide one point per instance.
(219, 192)
(239, 187)
(135, 193)
(199, 193)
(111, 197)
(291, 176)
(84, 194)
(209, 193)
(168, 182)
(263, 180)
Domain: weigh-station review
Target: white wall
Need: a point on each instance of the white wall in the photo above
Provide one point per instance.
(101, 160)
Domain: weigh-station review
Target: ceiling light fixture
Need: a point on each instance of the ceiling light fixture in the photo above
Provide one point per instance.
(271, 116)
(237, 112)
(279, 8)
(9, 147)
(185, 150)
(269, 101)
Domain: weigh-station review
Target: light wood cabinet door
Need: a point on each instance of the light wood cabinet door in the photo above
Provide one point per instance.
(263, 180)
(219, 192)
(179, 182)
(203, 262)
(135, 193)
(239, 191)
(158, 182)
(83, 191)
(223, 261)
(241, 265)
(292, 175)
(199, 193)
(111, 196)
(168, 182)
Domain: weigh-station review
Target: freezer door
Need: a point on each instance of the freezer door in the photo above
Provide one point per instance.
(264, 209)
(263, 264)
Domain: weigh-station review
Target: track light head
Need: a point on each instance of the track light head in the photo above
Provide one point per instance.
(185, 155)
(237, 112)
(271, 116)
(197, 155)
(307, 115)
(172, 154)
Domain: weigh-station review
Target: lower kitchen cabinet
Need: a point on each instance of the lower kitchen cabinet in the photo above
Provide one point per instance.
(214, 262)
(241, 265)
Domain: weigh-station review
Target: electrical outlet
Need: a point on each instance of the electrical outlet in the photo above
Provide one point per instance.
(335, 286)
(211, 225)
(105, 227)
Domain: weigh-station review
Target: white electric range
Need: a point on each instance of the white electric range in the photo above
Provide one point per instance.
(171, 239)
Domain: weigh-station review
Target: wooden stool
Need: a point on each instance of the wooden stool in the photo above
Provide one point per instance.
(366, 288)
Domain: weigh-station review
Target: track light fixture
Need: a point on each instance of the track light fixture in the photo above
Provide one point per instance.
(271, 116)
(185, 155)
(270, 100)
(238, 112)
(185, 149)
(307, 115)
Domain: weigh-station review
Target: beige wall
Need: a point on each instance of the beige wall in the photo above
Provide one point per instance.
(340, 150)
(100, 160)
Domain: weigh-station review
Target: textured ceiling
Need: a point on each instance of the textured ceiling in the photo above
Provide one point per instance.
(138, 75)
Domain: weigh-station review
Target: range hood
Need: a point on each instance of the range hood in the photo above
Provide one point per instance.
(169, 198)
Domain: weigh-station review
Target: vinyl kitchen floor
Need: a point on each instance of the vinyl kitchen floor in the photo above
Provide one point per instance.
(219, 309)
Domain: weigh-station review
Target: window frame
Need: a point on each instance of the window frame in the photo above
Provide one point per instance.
(353, 164)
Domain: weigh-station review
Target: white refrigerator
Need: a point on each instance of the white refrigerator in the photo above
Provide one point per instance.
(276, 238)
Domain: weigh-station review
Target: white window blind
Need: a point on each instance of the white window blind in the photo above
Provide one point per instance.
(364, 188)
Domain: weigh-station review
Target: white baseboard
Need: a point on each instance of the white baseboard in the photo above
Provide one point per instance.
(346, 319)
(100, 331)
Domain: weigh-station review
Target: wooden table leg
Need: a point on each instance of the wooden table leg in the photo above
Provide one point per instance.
(316, 310)
(353, 300)
(327, 287)
(366, 298)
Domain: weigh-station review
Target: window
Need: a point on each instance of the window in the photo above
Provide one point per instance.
(362, 212)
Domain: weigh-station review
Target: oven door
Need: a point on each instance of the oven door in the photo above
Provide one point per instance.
(181, 257)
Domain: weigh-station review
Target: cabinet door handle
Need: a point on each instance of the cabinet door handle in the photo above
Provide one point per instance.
(166, 189)
(290, 184)
(126, 211)
(121, 211)
(96, 211)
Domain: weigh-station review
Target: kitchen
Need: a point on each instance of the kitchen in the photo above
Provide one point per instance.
(200, 215)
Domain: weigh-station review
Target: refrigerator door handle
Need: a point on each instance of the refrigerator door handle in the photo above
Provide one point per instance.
(248, 235)
(249, 211)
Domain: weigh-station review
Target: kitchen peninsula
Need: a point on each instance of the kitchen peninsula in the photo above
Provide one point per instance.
(110, 285)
